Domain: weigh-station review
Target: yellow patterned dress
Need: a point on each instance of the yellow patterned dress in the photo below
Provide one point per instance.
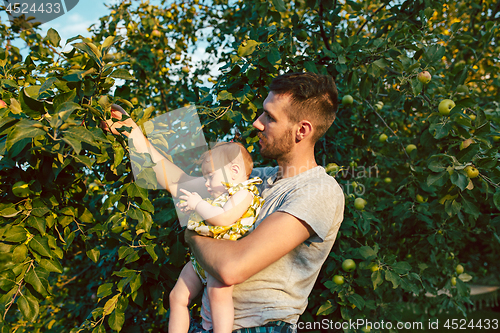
(233, 231)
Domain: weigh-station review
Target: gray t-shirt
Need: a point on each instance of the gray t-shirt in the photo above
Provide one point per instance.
(280, 291)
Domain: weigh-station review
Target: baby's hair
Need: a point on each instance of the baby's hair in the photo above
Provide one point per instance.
(224, 153)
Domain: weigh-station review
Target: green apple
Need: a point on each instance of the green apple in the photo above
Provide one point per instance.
(347, 100)
(472, 172)
(348, 265)
(332, 167)
(459, 269)
(338, 279)
(445, 106)
(359, 203)
(21, 189)
(379, 106)
(424, 77)
(453, 281)
(387, 180)
(382, 137)
(410, 148)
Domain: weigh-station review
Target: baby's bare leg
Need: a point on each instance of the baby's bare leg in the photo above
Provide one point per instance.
(221, 305)
(187, 287)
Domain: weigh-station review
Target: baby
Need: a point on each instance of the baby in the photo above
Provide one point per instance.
(229, 215)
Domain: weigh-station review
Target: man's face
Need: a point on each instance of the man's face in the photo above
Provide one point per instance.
(276, 132)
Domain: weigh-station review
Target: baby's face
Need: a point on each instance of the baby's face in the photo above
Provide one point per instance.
(214, 181)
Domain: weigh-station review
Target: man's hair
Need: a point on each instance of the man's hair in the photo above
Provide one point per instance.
(224, 153)
(313, 97)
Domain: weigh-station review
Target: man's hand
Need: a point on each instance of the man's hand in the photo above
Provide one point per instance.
(192, 199)
(112, 126)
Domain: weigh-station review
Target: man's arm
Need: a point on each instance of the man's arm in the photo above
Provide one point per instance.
(233, 262)
(168, 175)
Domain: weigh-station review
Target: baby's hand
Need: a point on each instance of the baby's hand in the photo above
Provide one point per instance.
(189, 201)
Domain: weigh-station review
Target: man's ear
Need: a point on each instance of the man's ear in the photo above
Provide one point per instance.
(304, 130)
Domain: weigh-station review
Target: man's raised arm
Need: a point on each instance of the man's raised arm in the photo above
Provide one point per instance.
(168, 175)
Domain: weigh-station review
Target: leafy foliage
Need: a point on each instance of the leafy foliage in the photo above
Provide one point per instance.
(84, 248)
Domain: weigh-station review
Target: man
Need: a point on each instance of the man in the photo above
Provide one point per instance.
(274, 268)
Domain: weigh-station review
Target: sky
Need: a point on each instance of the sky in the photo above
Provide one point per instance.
(76, 21)
(82, 16)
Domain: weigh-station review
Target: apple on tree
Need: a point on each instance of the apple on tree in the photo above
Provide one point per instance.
(410, 148)
(347, 100)
(424, 77)
(338, 279)
(348, 265)
(445, 106)
(2, 104)
(359, 203)
(382, 137)
(472, 172)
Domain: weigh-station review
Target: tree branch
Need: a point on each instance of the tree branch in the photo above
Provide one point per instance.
(368, 19)
(321, 28)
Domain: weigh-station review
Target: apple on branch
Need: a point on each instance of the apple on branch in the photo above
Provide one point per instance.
(424, 77)
(445, 106)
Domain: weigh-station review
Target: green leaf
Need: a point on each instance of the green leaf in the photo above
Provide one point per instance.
(35, 280)
(15, 234)
(377, 279)
(367, 252)
(357, 300)
(462, 288)
(467, 154)
(274, 57)
(392, 277)
(7, 280)
(20, 253)
(53, 37)
(437, 179)
(22, 130)
(104, 290)
(28, 307)
(459, 179)
(111, 304)
(136, 283)
(9, 210)
(122, 73)
(93, 254)
(402, 267)
(325, 309)
(116, 320)
(279, 5)
(51, 265)
(310, 66)
(151, 250)
(92, 51)
(248, 49)
(38, 223)
(40, 245)
(496, 199)
(177, 254)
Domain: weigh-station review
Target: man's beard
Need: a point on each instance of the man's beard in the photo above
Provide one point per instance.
(276, 149)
